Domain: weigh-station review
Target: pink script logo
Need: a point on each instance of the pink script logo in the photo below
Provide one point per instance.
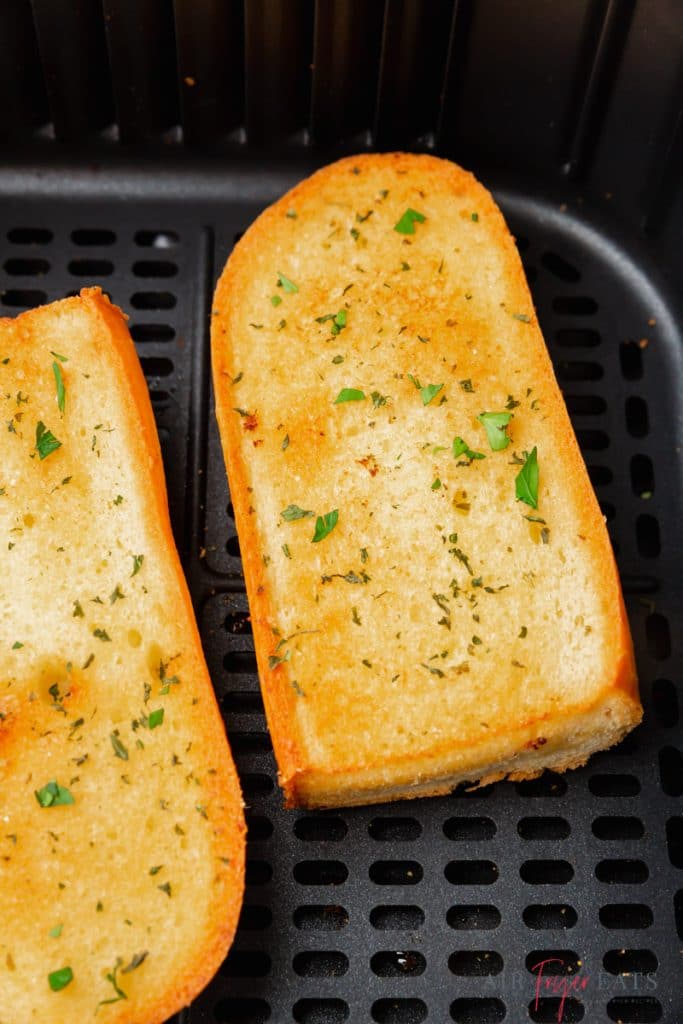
(557, 984)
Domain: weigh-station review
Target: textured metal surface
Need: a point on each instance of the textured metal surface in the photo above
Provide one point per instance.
(437, 909)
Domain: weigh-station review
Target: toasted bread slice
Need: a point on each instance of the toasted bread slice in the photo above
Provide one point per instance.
(122, 835)
(432, 589)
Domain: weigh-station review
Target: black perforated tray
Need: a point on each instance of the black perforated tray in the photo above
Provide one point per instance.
(436, 909)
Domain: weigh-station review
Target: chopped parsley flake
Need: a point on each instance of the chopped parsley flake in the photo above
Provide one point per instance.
(460, 447)
(436, 486)
(57, 980)
(78, 610)
(101, 634)
(474, 217)
(111, 978)
(284, 282)
(55, 932)
(285, 443)
(349, 395)
(156, 718)
(324, 525)
(61, 390)
(46, 442)
(53, 795)
(293, 512)
(406, 225)
(524, 317)
(494, 424)
(292, 214)
(338, 321)
(275, 300)
(119, 749)
(17, 645)
(137, 564)
(278, 659)
(434, 671)
(428, 392)
(378, 399)
(526, 481)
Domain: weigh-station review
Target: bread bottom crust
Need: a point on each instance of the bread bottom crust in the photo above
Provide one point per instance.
(555, 747)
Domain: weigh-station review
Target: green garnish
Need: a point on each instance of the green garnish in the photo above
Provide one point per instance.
(54, 795)
(46, 442)
(436, 486)
(494, 424)
(156, 718)
(284, 282)
(474, 217)
(166, 887)
(102, 634)
(111, 978)
(338, 321)
(460, 447)
(55, 932)
(349, 395)
(378, 399)
(292, 214)
(17, 645)
(406, 225)
(119, 749)
(278, 659)
(522, 633)
(324, 525)
(57, 980)
(523, 317)
(78, 610)
(116, 595)
(285, 443)
(433, 670)
(293, 512)
(137, 564)
(466, 385)
(428, 392)
(61, 390)
(275, 300)
(337, 360)
(285, 551)
(404, 265)
(62, 359)
(526, 481)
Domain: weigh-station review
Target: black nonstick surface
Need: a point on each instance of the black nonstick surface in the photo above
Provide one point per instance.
(436, 909)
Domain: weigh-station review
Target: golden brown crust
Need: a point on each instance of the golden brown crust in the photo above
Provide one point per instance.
(246, 342)
(149, 625)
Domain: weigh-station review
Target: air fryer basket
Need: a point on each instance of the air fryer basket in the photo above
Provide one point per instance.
(141, 139)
